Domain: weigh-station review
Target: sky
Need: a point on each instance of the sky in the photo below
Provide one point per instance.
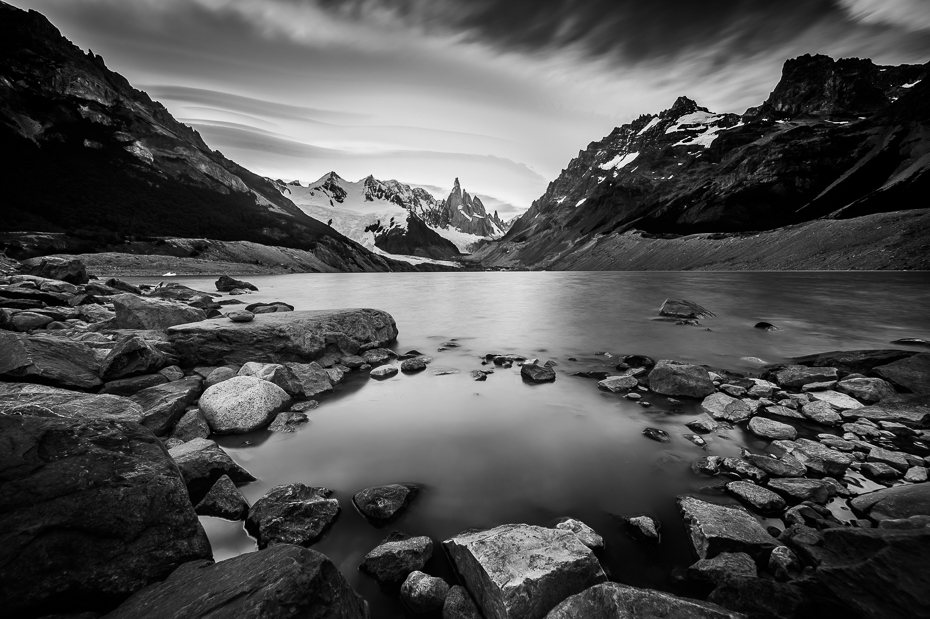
(501, 94)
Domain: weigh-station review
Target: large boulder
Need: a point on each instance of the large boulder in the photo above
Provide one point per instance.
(911, 373)
(69, 270)
(680, 308)
(163, 405)
(283, 336)
(796, 376)
(42, 401)
(49, 360)
(680, 379)
(283, 582)
(202, 463)
(242, 404)
(522, 571)
(132, 356)
(292, 514)
(396, 557)
(867, 390)
(718, 528)
(135, 312)
(613, 600)
(909, 409)
(226, 283)
(895, 502)
(381, 504)
(91, 511)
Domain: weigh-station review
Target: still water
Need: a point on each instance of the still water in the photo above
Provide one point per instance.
(503, 451)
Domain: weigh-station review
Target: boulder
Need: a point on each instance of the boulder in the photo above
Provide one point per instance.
(767, 428)
(423, 593)
(69, 270)
(218, 375)
(278, 337)
(118, 284)
(387, 371)
(537, 373)
(680, 379)
(717, 528)
(163, 405)
(135, 312)
(616, 384)
(853, 361)
(714, 571)
(615, 601)
(703, 424)
(839, 401)
(312, 379)
(223, 501)
(743, 469)
(798, 489)
(191, 425)
(226, 283)
(894, 503)
(894, 459)
(679, 308)
(202, 462)
(282, 582)
(288, 422)
(458, 605)
(521, 571)
(723, 407)
(583, 532)
(415, 364)
(39, 400)
(292, 514)
(27, 321)
(269, 308)
(867, 390)
(796, 376)
(382, 504)
(784, 466)
(911, 373)
(275, 373)
(90, 512)
(818, 458)
(396, 557)
(49, 360)
(911, 410)
(241, 404)
(821, 412)
(762, 500)
(130, 386)
(643, 528)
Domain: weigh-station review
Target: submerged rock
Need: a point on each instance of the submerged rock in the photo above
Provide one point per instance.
(716, 528)
(396, 557)
(292, 514)
(615, 601)
(680, 379)
(241, 404)
(382, 504)
(657, 435)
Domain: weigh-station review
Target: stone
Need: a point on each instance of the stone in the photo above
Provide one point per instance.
(51, 360)
(92, 510)
(27, 321)
(292, 514)
(386, 371)
(282, 336)
(716, 528)
(135, 312)
(657, 435)
(839, 401)
(911, 374)
(615, 384)
(69, 270)
(241, 404)
(163, 405)
(396, 557)
(743, 470)
(416, 364)
(118, 284)
(202, 462)
(226, 283)
(797, 489)
(894, 503)
(224, 500)
(866, 390)
(879, 471)
(423, 593)
(761, 388)
(131, 386)
(281, 582)
(784, 466)
(269, 308)
(381, 504)
(725, 408)
(522, 571)
(703, 424)
(277, 374)
(767, 428)
(132, 356)
(191, 425)
(911, 410)
(218, 375)
(616, 601)
(822, 413)
(719, 568)
(783, 411)
(458, 605)
(784, 564)
(796, 376)
(303, 407)
(377, 355)
(853, 361)
(816, 457)
(758, 597)
(288, 422)
(916, 474)
(762, 500)
(895, 459)
(818, 386)
(707, 465)
(313, 380)
(29, 399)
(679, 308)
(240, 316)
(537, 373)
(680, 380)
(696, 439)
(643, 527)
(172, 373)
(583, 532)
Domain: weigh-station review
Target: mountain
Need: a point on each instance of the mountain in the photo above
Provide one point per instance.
(88, 155)
(834, 139)
(466, 214)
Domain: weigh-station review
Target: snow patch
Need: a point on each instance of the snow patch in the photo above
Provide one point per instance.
(652, 123)
(580, 202)
(912, 84)
(619, 161)
(696, 118)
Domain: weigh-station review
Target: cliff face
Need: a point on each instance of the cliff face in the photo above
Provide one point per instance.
(836, 138)
(465, 213)
(86, 153)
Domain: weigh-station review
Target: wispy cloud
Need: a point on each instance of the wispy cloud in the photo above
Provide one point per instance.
(911, 15)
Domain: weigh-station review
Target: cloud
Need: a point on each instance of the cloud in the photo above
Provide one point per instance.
(911, 15)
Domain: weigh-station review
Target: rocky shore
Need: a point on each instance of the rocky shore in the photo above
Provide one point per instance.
(111, 393)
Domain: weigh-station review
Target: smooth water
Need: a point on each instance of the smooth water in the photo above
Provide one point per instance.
(503, 451)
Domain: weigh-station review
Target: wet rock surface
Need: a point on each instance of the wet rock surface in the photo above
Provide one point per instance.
(396, 557)
(382, 504)
(680, 379)
(716, 528)
(617, 600)
(241, 404)
(224, 500)
(202, 463)
(292, 514)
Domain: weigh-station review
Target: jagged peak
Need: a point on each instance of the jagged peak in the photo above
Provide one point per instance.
(294, 183)
(682, 106)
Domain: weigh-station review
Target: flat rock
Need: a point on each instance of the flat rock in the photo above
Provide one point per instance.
(894, 459)
(853, 361)
(866, 390)
(396, 557)
(522, 571)
(51, 360)
(615, 601)
(911, 373)
(680, 380)
(241, 404)
(282, 582)
(818, 458)
(292, 514)
(799, 489)
(39, 400)
(839, 401)
(767, 428)
(384, 371)
(163, 405)
(240, 316)
(679, 308)
(615, 384)
(224, 500)
(135, 312)
(202, 462)
(894, 503)
(821, 412)
(288, 422)
(796, 376)
(723, 407)
(69, 270)
(784, 411)
(784, 466)
(716, 528)
(282, 336)
(91, 511)
(912, 410)
(762, 500)
(721, 567)
(313, 380)
(423, 593)
(381, 504)
(131, 386)
(583, 532)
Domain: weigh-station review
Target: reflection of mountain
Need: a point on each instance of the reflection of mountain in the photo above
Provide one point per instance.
(835, 139)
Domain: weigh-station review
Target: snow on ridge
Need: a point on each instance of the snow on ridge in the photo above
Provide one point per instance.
(619, 161)
(912, 84)
(695, 118)
(652, 123)
(580, 202)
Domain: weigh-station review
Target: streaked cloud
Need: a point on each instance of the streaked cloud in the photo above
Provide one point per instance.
(908, 14)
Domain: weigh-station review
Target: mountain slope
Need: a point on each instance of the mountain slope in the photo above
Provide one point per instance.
(836, 138)
(85, 153)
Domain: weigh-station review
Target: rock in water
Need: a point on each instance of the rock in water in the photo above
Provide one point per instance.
(383, 503)
(680, 379)
(223, 501)
(412, 365)
(241, 404)
(679, 308)
(762, 500)
(135, 312)
(643, 527)
(292, 514)
(723, 407)
(53, 360)
(522, 571)
(269, 308)
(721, 567)
(766, 428)
(92, 511)
(396, 557)
(615, 601)
(583, 532)
(803, 489)
(69, 270)
(716, 528)
(423, 593)
(288, 422)
(615, 384)
(657, 435)
(226, 283)
(537, 373)
(282, 582)
(202, 462)
(765, 326)
(282, 336)
(313, 380)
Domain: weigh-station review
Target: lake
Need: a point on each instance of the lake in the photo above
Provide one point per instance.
(503, 451)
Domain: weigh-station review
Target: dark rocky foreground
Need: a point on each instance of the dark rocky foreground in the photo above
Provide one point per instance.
(110, 395)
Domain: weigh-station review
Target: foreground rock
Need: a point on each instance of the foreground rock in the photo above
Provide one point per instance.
(69, 270)
(283, 582)
(615, 601)
(382, 504)
(163, 405)
(241, 404)
(91, 511)
(458, 605)
(716, 528)
(522, 571)
(537, 373)
(423, 593)
(51, 360)
(894, 503)
(583, 532)
(726, 564)
(39, 400)
(283, 336)
(911, 374)
(202, 463)
(223, 501)
(292, 514)
(396, 557)
(680, 379)
(135, 312)
(615, 384)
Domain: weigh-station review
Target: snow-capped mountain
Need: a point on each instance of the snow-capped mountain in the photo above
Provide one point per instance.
(465, 213)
